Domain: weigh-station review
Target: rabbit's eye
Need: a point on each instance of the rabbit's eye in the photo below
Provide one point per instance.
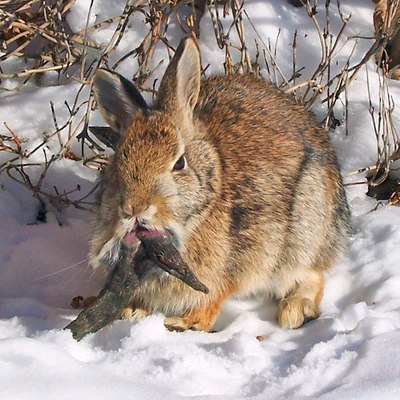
(180, 164)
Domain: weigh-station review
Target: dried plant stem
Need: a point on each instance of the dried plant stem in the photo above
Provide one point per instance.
(33, 71)
(77, 55)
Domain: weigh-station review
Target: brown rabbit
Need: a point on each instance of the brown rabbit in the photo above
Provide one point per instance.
(242, 178)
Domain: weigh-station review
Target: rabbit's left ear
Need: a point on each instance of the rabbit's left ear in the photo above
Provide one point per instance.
(118, 99)
(180, 86)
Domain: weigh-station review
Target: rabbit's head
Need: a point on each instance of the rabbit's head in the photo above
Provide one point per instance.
(163, 176)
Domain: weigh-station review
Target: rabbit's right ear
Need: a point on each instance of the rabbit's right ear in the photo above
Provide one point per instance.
(180, 86)
(118, 99)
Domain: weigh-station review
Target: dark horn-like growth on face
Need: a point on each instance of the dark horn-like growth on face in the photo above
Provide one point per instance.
(132, 265)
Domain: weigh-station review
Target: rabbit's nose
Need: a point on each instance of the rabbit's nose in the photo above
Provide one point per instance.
(126, 211)
(129, 211)
(139, 212)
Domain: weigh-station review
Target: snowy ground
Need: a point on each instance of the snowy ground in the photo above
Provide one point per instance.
(351, 352)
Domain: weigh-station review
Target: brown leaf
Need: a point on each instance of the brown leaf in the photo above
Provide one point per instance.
(71, 155)
(76, 302)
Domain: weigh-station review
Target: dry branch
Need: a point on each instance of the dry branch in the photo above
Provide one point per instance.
(37, 30)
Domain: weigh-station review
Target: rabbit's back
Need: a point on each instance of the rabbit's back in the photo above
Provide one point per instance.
(287, 207)
(247, 104)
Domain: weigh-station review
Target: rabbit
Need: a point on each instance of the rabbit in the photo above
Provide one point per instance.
(238, 173)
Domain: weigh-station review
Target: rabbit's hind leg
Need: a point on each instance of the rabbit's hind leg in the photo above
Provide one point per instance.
(302, 304)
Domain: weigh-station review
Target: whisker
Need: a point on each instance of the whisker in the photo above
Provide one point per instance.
(92, 275)
(60, 270)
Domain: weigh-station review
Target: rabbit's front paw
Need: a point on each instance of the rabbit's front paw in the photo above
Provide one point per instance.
(200, 319)
(293, 312)
(179, 324)
(133, 314)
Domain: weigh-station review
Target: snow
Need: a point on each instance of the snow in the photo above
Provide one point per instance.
(350, 352)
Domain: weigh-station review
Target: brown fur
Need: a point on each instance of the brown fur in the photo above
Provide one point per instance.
(260, 207)
(382, 26)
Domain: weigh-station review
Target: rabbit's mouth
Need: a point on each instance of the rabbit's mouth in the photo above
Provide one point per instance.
(132, 238)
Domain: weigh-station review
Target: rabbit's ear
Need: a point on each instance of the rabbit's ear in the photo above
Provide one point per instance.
(117, 98)
(180, 85)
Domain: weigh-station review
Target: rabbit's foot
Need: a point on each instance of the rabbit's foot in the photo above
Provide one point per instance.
(179, 324)
(302, 305)
(201, 319)
(134, 314)
(293, 312)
